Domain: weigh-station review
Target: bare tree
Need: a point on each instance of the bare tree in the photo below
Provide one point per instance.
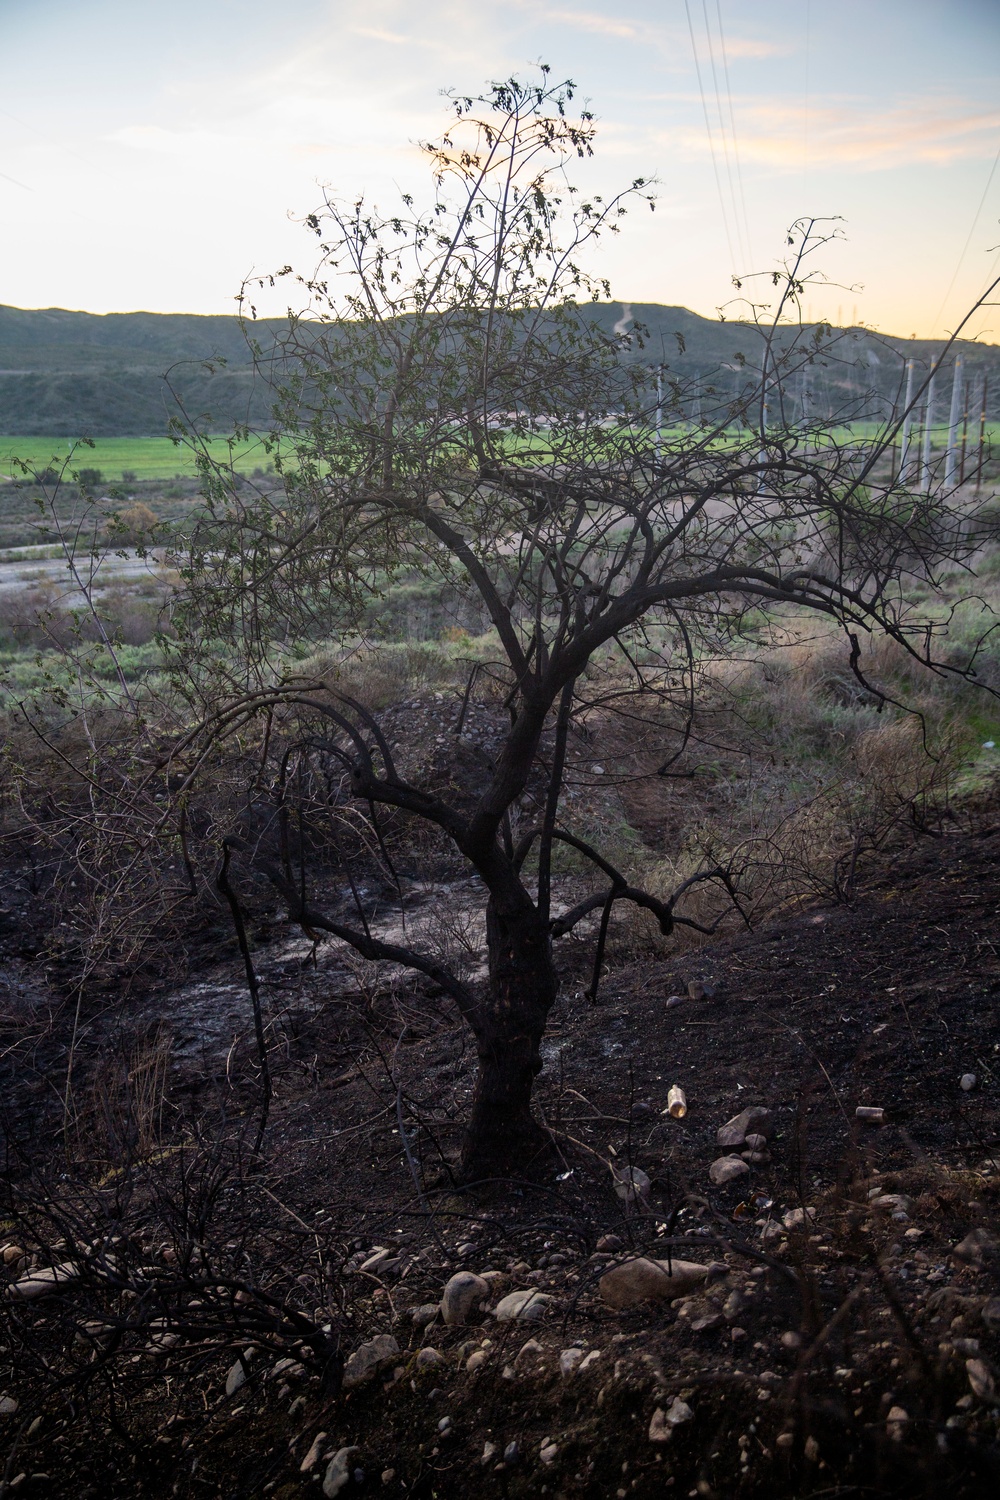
(449, 403)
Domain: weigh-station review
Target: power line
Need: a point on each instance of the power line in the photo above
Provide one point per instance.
(968, 241)
(732, 126)
(722, 133)
(708, 132)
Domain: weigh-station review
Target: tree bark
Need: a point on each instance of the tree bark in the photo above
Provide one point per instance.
(503, 1137)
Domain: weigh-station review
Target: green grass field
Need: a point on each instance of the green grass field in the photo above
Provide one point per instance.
(145, 457)
(153, 458)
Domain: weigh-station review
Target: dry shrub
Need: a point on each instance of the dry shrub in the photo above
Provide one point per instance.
(120, 1115)
(378, 675)
(780, 856)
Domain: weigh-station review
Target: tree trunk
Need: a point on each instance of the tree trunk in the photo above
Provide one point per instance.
(503, 1138)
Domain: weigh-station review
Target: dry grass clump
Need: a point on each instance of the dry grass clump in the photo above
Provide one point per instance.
(378, 674)
(810, 772)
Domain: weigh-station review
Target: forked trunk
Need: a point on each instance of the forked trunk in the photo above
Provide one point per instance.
(503, 1137)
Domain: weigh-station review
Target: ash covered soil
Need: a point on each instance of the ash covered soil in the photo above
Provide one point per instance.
(843, 1340)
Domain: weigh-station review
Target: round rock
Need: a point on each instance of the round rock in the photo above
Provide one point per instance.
(462, 1293)
(528, 1306)
(727, 1169)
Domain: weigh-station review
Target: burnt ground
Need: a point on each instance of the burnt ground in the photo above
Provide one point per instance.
(795, 1361)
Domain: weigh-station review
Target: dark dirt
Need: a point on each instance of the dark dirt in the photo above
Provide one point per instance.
(790, 1362)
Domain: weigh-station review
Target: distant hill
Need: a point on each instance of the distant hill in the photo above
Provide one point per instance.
(69, 374)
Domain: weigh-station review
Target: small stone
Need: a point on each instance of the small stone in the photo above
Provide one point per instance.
(736, 1333)
(643, 1280)
(890, 1203)
(527, 1306)
(679, 1412)
(424, 1314)
(755, 1141)
(588, 1362)
(380, 1260)
(975, 1247)
(528, 1352)
(791, 1340)
(707, 1321)
(980, 1379)
(428, 1358)
(388, 1475)
(700, 989)
(798, 1218)
(756, 1158)
(753, 1121)
(489, 1450)
(512, 1452)
(609, 1243)
(547, 1452)
(784, 1439)
(990, 1314)
(43, 1282)
(11, 1254)
(895, 1423)
(462, 1293)
(568, 1361)
(367, 1360)
(338, 1472)
(771, 1234)
(445, 1425)
(8, 1406)
(315, 1454)
(236, 1377)
(673, 1000)
(967, 1082)
(811, 1449)
(631, 1183)
(726, 1169)
(476, 1360)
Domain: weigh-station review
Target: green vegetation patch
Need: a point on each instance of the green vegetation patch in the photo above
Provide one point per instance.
(142, 458)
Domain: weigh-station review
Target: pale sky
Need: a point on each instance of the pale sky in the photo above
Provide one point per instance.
(153, 152)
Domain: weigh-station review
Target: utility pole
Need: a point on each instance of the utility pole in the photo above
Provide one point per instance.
(982, 435)
(928, 417)
(762, 456)
(659, 409)
(950, 462)
(904, 457)
(965, 432)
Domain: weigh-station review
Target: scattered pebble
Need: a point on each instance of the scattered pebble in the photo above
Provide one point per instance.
(462, 1293)
(367, 1360)
(312, 1458)
(526, 1306)
(980, 1379)
(726, 1169)
(643, 1280)
(895, 1423)
(338, 1472)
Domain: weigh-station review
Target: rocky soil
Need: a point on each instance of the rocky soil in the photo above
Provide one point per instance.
(764, 1295)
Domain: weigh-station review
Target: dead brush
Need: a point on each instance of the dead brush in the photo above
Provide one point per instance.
(781, 852)
(161, 1276)
(120, 1113)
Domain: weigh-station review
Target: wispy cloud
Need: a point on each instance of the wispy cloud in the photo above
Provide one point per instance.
(753, 47)
(663, 38)
(781, 135)
(587, 20)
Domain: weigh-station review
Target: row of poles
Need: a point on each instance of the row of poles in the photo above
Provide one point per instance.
(958, 422)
